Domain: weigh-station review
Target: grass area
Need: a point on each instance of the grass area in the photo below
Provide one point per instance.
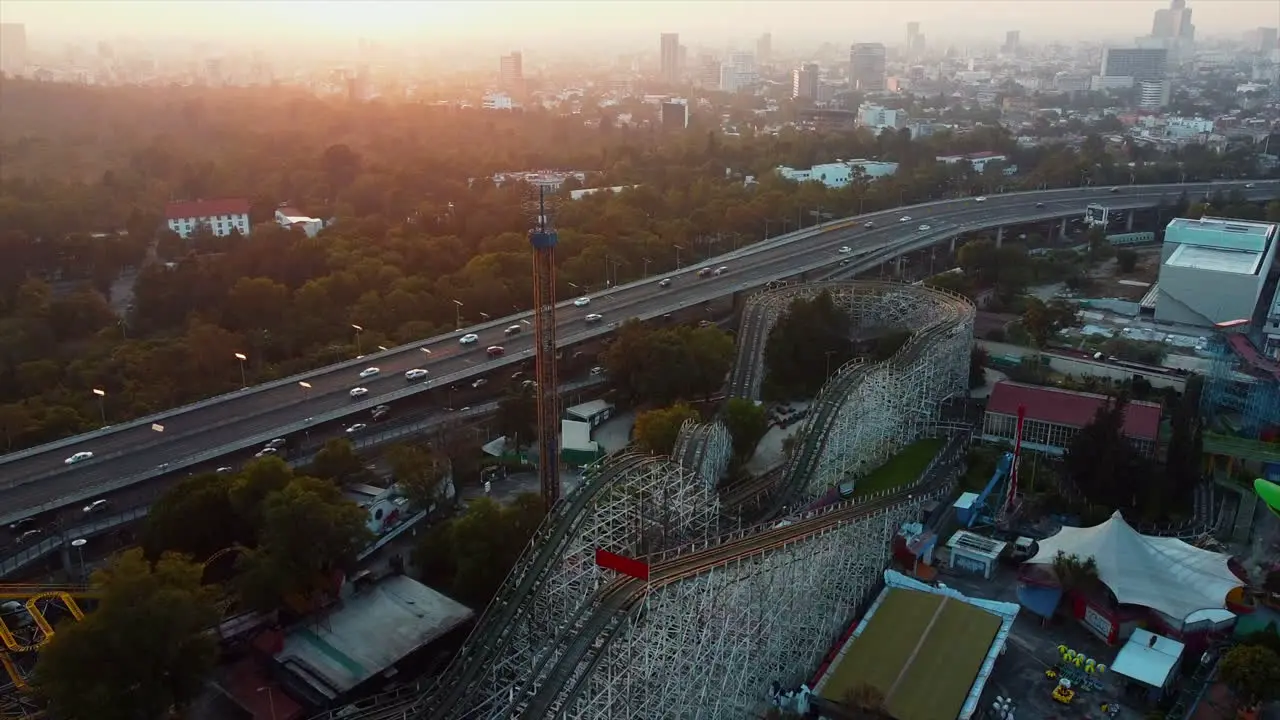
(922, 651)
(901, 469)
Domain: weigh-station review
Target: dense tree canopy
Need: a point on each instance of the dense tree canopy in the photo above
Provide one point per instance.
(662, 365)
(747, 424)
(418, 223)
(810, 340)
(468, 557)
(1105, 466)
(143, 651)
(656, 431)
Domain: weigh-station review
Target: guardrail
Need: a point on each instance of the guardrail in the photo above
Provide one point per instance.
(85, 493)
(36, 551)
(1164, 189)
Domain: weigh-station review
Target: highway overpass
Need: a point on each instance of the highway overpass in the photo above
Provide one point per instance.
(36, 480)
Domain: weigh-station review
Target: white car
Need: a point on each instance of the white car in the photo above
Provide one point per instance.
(597, 370)
(845, 249)
(415, 374)
(356, 428)
(479, 382)
(980, 198)
(582, 301)
(905, 218)
(223, 470)
(922, 228)
(359, 392)
(469, 339)
(594, 317)
(78, 457)
(369, 372)
(95, 506)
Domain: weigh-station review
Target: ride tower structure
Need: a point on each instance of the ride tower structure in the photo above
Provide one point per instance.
(542, 239)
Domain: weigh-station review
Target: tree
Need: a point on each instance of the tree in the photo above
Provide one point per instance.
(471, 555)
(810, 334)
(1126, 260)
(337, 461)
(864, 701)
(664, 365)
(308, 530)
(1252, 672)
(747, 424)
(518, 415)
(1102, 463)
(144, 650)
(420, 474)
(1074, 573)
(656, 431)
(195, 517)
(978, 358)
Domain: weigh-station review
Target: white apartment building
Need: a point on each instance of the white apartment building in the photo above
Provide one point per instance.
(288, 217)
(978, 160)
(840, 173)
(1153, 94)
(879, 117)
(219, 216)
(498, 101)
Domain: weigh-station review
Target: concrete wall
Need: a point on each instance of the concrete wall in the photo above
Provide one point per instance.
(1081, 367)
(1204, 297)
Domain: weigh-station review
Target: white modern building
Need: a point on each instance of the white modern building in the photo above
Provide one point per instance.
(979, 161)
(288, 217)
(1213, 270)
(1271, 328)
(498, 101)
(841, 173)
(1153, 94)
(220, 217)
(879, 117)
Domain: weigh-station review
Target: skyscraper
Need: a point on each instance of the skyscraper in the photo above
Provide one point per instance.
(764, 48)
(915, 40)
(511, 71)
(1174, 23)
(804, 82)
(866, 67)
(1137, 63)
(670, 58)
(1012, 40)
(13, 48)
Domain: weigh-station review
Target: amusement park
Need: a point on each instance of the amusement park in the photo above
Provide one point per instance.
(861, 510)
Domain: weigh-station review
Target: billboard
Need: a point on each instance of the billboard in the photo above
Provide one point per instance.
(1095, 215)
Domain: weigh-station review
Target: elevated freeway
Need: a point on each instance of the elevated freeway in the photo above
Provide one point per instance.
(36, 479)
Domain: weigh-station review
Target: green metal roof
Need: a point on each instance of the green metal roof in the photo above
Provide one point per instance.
(1220, 233)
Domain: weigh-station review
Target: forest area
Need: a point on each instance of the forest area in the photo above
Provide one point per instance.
(417, 223)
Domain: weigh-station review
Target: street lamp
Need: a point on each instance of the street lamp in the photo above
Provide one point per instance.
(678, 249)
(358, 330)
(242, 357)
(79, 544)
(457, 315)
(484, 316)
(102, 404)
(271, 701)
(306, 389)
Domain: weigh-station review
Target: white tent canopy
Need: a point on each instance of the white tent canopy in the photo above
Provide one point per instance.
(1164, 574)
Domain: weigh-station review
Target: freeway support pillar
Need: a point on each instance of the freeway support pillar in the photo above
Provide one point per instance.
(64, 555)
(953, 244)
(1062, 229)
(999, 237)
(1128, 221)
(897, 267)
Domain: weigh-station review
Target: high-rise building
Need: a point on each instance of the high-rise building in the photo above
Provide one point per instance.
(1153, 94)
(1137, 63)
(764, 48)
(670, 58)
(866, 67)
(1260, 40)
(708, 72)
(13, 48)
(511, 71)
(1012, 40)
(804, 82)
(915, 40)
(1174, 23)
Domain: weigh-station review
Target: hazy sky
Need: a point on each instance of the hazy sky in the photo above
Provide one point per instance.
(526, 23)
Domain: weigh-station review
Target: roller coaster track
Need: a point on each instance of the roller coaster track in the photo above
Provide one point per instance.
(590, 625)
(622, 599)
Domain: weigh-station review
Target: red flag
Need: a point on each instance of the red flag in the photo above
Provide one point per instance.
(625, 565)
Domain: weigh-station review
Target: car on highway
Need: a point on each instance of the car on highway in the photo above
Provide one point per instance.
(495, 351)
(594, 317)
(1248, 186)
(869, 225)
(469, 339)
(905, 218)
(355, 428)
(582, 301)
(512, 330)
(97, 506)
(980, 198)
(22, 526)
(664, 282)
(845, 250)
(276, 443)
(479, 383)
(597, 370)
(704, 272)
(721, 270)
(224, 470)
(265, 452)
(358, 392)
(78, 457)
(29, 536)
(922, 228)
(369, 372)
(1039, 204)
(415, 374)
(1114, 190)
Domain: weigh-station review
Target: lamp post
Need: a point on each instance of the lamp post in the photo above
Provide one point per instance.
(79, 544)
(457, 315)
(306, 389)
(271, 701)
(244, 383)
(102, 404)
(678, 249)
(358, 330)
(829, 353)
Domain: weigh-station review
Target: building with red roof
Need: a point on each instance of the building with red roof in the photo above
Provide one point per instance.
(219, 216)
(1054, 416)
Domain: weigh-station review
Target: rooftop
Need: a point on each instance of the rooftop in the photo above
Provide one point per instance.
(1221, 233)
(205, 208)
(1072, 409)
(928, 650)
(1148, 658)
(1200, 257)
(374, 629)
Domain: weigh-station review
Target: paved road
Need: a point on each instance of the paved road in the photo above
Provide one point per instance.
(26, 481)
